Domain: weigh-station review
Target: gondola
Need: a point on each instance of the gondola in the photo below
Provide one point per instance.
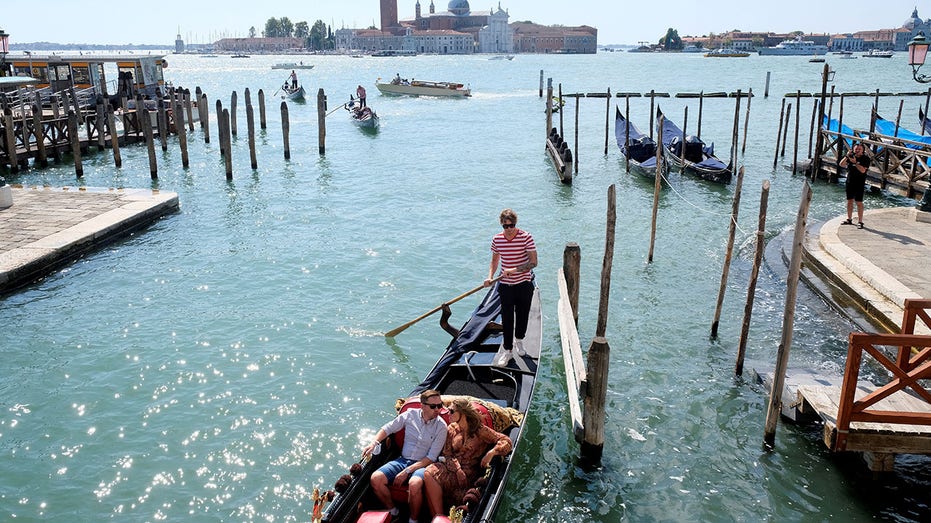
(289, 93)
(466, 368)
(363, 117)
(699, 159)
(638, 148)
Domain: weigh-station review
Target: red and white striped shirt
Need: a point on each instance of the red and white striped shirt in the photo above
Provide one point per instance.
(514, 253)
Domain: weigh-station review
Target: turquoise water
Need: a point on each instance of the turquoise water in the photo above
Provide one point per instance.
(229, 358)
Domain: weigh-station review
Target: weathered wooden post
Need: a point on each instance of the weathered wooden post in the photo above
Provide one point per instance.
(924, 117)
(743, 148)
(321, 121)
(576, 156)
(779, 133)
(685, 123)
(232, 120)
(701, 103)
(220, 133)
(593, 413)
(42, 159)
(732, 230)
(785, 130)
(816, 161)
(250, 123)
(571, 266)
(285, 129)
(541, 88)
(150, 145)
(607, 119)
(75, 142)
(99, 122)
(114, 138)
(261, 109)
(198, 94)
(549, 106)
(607, 263)
(204, 117)
(782, 359)
(754, 274)
(189, 109)
(182, 132)
(652, 112)
(811, 127)
(657, 184)
(736, 130)
(561, 105)
(798, 111)
(161, 117)
(228, 157)
(766, 89)
(9, 132)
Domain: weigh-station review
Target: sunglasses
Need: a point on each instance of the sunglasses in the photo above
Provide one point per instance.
(508, 225)
(434, 406)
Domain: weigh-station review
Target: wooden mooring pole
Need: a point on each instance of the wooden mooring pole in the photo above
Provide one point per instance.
(220, 133)
(261, 109)
(657, 184)
(729, 251)
(743, 148)
(250, 123)
(549, 106)
(285, 129)
(607, 263)
(785, 130)
(321, 121)
(779, 133)
(10, 138)
(150, 145)
(571, 266)
(234, 98)
(75, 143)
(204, 117)
(114, 138)
(607, 119)
(227, 140)
(754, 274)
(541, 88)
(782, 359)
(576, 160)
(42, 159)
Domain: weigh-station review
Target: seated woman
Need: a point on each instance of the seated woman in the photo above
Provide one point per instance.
(465, 454)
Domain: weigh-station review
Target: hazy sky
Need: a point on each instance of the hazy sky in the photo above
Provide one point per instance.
(617, 21)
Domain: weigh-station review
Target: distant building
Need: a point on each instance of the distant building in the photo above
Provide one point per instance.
(179, 44)
(459, 30)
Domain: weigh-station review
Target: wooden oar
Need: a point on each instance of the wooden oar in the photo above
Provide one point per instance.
(394, 332)
(336, 109)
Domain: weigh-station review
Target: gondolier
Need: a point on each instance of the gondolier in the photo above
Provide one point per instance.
(360, 94)
(293, 79)
(516, 252)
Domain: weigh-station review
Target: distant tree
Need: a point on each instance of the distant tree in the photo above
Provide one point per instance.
(287, 27)
(272, 28)
(672, 41)
(301, 30)
(318, 35)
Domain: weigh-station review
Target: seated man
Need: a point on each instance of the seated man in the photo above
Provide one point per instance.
(424, 437)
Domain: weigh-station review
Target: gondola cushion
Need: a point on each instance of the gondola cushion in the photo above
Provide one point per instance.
(375, 516)
(440, 519)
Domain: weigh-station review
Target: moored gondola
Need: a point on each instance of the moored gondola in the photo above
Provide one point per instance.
(638, 148)
(466, 369)
(698, 158)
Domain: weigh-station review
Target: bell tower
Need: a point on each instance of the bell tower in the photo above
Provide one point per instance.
(389, 15)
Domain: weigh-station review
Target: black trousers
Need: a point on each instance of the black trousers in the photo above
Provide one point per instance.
(515, 310)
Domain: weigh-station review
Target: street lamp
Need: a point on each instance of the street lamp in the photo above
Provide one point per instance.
(4, 49)
(917, 52)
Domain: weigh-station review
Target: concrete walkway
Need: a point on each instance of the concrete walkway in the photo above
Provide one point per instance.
(875, 268)
(47, 227)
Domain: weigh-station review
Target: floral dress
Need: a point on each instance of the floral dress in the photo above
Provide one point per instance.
(462, 465)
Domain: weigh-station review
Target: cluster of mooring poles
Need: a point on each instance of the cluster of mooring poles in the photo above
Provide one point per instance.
(29, 131)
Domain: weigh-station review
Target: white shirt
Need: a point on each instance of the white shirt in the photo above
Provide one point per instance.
(421, 439)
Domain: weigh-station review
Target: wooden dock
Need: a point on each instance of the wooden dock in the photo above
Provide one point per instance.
(878, 421)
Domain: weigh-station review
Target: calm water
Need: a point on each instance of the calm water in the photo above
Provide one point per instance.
(225, 361)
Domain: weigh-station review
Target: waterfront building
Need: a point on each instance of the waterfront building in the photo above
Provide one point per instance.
(535, 38)
(261, 45)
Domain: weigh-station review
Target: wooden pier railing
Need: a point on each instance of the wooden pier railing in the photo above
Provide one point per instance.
(899, 411)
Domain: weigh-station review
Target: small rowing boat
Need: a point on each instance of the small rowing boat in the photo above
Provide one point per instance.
(363, 117)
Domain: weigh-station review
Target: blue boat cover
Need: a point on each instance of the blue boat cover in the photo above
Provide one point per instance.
(642, 147)
(471, 332)
(672, 135)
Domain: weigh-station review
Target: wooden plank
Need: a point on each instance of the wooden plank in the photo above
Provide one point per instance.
(572, 356)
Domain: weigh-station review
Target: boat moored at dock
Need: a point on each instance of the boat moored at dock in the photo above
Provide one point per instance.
(726, 53)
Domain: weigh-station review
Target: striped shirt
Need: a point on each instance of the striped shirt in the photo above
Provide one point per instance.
(513, 254)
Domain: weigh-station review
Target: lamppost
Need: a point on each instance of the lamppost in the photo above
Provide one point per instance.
(4, 49)
(917, 52)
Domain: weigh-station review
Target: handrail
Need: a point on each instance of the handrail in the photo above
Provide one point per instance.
(911, 364)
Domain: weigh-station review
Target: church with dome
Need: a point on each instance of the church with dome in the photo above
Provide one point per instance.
(460, 30)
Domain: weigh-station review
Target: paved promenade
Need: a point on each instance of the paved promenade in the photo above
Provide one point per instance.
(47, 227)
(874, 269)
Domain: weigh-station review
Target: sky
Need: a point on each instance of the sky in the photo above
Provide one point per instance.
(617, 21)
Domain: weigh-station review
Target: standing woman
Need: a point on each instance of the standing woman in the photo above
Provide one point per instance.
(465, 454)
(515, 251)
(857, 163)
